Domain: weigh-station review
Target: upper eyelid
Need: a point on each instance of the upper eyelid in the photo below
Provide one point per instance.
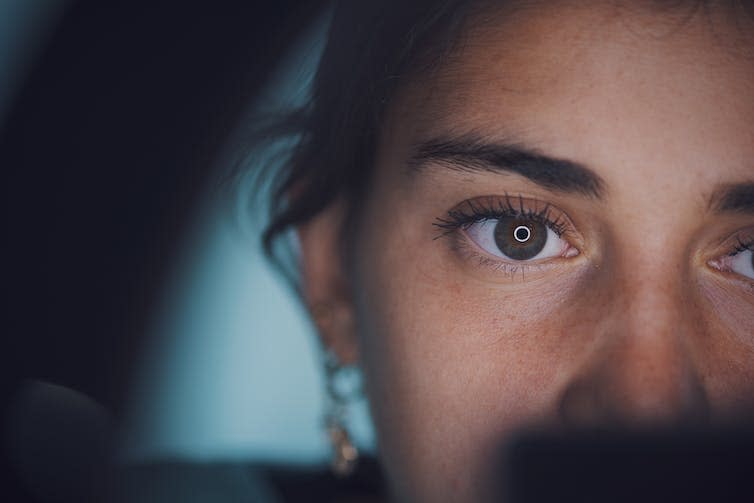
(482, 207)
(735, 243)
(743, 246)
(462, 216)
(476, 209)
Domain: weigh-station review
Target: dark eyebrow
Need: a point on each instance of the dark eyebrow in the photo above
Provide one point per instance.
(737, 198)
(470, 154)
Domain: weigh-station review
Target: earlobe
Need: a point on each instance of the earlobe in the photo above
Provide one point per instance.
(324, 286)
(334, 322)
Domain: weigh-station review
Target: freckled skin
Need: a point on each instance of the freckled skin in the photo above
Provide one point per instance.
(635, 329)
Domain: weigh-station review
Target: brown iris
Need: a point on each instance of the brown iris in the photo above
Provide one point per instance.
(520, 238)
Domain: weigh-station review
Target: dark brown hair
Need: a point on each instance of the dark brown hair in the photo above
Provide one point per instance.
(369, 50)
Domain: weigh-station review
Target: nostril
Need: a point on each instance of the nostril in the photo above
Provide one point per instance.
(696, 407)
(612, 399)
(578, 406)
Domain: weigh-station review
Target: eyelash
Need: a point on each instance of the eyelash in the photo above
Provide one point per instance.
(725, 262)
(491, 208)
(477, 210)
(742, 246)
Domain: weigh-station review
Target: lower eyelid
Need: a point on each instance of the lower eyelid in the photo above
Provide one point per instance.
(566, 250)
(464, 246)
(496, 264)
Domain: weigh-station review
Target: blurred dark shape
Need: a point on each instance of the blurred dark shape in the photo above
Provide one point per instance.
(59, 443)
(176, 480)
(651, 466)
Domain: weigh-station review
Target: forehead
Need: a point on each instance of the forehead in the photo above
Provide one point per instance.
(553, 74)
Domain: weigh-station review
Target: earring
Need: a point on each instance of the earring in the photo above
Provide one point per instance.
(340, 391)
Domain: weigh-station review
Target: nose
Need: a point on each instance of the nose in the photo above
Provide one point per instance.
(640, 369)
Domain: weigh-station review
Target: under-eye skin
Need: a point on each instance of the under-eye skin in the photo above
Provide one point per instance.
(508, 233)
(738, 259)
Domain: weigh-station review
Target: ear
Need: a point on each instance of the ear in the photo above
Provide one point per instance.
(325, 287)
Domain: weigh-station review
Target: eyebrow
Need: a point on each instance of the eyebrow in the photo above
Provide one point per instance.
(737, 198)
(473, 154)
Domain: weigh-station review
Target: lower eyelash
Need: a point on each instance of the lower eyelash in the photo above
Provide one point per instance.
(467, 251)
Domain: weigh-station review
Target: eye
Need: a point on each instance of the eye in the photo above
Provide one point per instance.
(739, 260)
(742, 263)
(517, 238)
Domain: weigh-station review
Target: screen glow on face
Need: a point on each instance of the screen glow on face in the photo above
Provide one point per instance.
(557, 240)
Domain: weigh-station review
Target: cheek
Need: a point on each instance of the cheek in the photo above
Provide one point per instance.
(453, 364)
(733, 308)
(728, 355)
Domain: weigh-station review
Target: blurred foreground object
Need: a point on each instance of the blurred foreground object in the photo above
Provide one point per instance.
(683, 465)
(59, 443)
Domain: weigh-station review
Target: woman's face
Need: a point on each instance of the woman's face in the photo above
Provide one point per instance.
(556, 234)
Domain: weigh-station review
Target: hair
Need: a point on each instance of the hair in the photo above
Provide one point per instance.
(372, 48)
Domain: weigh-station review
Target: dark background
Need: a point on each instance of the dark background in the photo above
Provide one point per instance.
(104, 154)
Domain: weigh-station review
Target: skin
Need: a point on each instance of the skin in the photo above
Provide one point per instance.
(644, 326)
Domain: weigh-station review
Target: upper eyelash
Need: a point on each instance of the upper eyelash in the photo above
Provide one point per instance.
(742, 246)
(475, 211)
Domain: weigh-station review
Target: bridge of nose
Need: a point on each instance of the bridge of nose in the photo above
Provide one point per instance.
(641, 366)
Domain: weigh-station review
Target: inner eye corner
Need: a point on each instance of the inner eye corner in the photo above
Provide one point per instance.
(725, 264)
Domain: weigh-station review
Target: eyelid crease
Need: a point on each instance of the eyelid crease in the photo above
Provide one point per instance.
(743, 246)
(737, 242)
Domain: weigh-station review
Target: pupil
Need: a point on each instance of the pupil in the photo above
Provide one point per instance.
(520, 239)
(522, 233)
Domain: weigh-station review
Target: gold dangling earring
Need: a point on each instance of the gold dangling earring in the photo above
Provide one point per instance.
(345, 456)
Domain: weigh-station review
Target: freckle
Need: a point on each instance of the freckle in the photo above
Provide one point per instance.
(455, 288)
